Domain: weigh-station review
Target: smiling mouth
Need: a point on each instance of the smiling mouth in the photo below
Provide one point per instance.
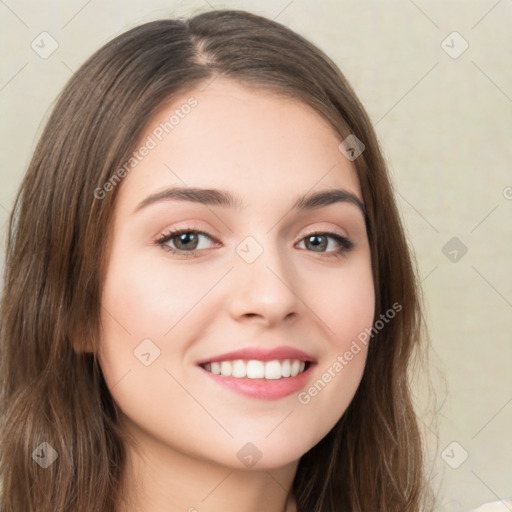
(256, 369)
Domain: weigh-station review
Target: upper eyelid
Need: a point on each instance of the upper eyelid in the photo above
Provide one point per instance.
(187, 229)
(325, 231)
(171, 233)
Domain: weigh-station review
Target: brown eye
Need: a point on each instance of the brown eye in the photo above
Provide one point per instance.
(316, 242)
(185, 242)
(320, 242)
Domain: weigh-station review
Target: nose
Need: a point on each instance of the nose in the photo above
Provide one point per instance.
(263, 290)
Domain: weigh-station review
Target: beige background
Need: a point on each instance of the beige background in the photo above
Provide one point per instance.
(445, 126)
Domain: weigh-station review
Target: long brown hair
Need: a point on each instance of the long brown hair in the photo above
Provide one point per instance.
(58, 246)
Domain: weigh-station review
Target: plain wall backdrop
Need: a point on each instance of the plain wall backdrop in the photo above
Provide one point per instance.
(436, 80)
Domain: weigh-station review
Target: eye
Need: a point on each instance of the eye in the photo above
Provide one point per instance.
(185, 242)
(323, 242)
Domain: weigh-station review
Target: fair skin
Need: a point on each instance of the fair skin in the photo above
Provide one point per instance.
(267, 151)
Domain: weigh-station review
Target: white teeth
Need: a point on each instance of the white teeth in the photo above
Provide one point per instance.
(272, 370)
(254, 369)
(286, 368)
(226, 368)
(239, 369)
(295, 368)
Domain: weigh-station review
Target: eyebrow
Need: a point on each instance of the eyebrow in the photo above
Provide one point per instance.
(214, 197)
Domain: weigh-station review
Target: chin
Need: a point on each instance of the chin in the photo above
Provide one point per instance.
(267, 454)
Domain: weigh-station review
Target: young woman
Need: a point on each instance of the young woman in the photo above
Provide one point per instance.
(209, 302)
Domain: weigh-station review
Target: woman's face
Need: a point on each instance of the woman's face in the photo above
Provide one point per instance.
(272, 285)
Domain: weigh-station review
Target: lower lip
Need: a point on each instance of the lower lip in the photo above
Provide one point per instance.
(271, 389)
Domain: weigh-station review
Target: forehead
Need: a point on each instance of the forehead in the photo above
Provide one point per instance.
(222, 134)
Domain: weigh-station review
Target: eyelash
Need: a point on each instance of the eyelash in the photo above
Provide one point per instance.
(345, 244)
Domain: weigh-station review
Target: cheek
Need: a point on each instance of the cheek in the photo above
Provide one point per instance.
(142, 302)
(138, 308)
(346, 305)
(344, 302)
(149, 297)
(150, 307)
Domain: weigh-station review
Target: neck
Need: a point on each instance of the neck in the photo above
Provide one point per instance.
(159, 479)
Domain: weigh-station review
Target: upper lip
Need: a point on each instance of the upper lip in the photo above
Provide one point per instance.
(261, 354)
